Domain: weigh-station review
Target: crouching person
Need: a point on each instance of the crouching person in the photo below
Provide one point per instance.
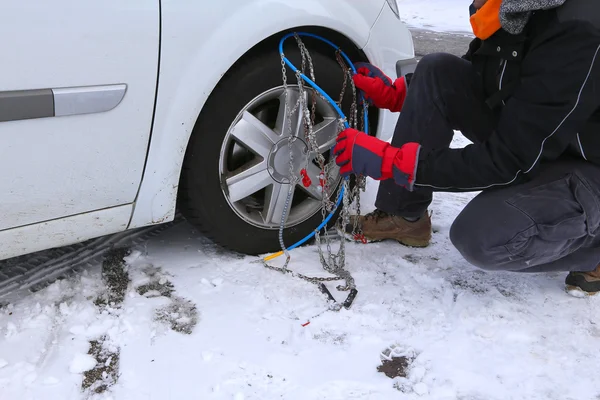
(527, 94)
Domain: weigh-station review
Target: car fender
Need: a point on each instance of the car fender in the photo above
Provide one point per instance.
(199, 43)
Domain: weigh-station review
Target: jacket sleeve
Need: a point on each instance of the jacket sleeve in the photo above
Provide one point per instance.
(558, 92)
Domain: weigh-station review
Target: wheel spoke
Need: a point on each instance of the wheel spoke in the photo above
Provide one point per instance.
(254, 135)
(254, 186)
(275, 203)
(282, 125)
(326, 134)
(248, 182)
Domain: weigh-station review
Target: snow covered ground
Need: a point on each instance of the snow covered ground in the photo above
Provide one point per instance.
(437, 15)
(190, 321)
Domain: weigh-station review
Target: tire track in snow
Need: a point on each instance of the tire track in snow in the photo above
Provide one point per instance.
(28, 274)
(105, 373)
(33, 272)
(180, 315)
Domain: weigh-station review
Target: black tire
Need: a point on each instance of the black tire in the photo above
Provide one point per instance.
(202, 201)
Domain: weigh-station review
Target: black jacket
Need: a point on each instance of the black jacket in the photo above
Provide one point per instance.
(549, 106)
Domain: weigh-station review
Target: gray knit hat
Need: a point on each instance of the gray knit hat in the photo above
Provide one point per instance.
(514, 14)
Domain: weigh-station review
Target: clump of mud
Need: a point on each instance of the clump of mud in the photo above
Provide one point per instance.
(159, 285)
(106, 371)
(395, 362)
(116, 279)
(180, 315)
(162, 289)
(396, 367)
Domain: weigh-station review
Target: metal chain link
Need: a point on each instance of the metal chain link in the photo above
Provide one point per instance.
(292, 178)
(333, 263)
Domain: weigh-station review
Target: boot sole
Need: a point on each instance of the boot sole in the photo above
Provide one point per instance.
(414, 242)
(576, 291)
(578, 282)
(419, 243)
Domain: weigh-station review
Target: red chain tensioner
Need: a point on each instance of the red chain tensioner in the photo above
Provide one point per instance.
(360, 237)
(306, 181)
(305, 178)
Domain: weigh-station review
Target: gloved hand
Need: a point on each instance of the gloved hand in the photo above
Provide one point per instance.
(361, 154)
(379, 88)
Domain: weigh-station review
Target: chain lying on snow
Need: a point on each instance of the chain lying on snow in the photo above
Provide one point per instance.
(333, 263)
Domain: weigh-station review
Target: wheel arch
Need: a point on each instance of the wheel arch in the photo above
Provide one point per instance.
(354, 52)
(157, 198)
(346, 44)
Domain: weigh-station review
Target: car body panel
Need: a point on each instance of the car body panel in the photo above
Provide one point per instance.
(190, 70)
(63, 231)
(91, 155)
(385, 49)
(81, 173)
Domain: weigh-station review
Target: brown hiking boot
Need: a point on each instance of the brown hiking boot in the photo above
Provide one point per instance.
(379, 225)
(584, 282)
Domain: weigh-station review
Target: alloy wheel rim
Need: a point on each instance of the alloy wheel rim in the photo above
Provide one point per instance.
(254, 159)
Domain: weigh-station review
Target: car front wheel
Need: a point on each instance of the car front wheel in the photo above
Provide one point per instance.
(235, 180)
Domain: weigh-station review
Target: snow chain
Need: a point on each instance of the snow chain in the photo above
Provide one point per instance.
(332, 263)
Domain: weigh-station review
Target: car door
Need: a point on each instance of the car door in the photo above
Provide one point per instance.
(77, 89)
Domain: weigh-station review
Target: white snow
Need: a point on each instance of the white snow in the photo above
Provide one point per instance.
(472, 335)
(51, 381)
(133, 256)
(81, 363)
(420, 389)
(436, 15)
(41, 335)
(152, 293)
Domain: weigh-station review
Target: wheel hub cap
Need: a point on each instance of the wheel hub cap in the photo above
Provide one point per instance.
(279, 159)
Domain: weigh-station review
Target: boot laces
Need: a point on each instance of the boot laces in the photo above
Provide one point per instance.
(376, 215)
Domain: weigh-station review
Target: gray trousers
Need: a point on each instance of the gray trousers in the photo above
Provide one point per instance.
(550, 223)
(547, 224)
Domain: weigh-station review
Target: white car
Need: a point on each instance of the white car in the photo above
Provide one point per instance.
(114, 114)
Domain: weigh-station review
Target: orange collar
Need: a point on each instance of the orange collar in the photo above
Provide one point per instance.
(486, 21)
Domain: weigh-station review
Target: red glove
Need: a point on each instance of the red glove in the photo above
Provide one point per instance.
(379, 88)
(361, 154)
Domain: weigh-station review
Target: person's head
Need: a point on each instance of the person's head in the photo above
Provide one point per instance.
(479, 3)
